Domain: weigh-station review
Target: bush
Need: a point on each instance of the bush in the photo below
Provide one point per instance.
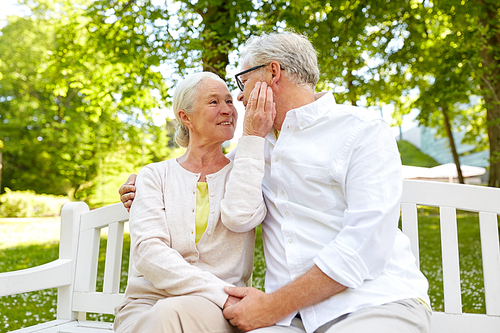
(30, 204)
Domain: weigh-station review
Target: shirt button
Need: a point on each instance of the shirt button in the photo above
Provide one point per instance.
(211, 212)
(302, 123)
(209, 233)
(282, 192)
(287, 213)
(275, 159)
(290, 240)
(212, 194)
(192, 211)
(194, 192)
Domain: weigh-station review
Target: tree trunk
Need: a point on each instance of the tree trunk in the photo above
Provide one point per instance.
(453, 147)
(491, 88)
(215, 55)
(1, 166)
(490, 85)
(493, 118)
(350, 88)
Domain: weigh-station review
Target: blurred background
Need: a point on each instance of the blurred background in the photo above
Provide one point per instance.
(86, 86)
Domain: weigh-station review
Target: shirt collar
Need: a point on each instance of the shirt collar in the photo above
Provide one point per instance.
(307, 114)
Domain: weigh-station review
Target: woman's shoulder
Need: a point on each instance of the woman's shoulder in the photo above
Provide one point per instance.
(156, 168)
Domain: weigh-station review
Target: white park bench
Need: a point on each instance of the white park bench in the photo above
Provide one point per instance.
(75, 272)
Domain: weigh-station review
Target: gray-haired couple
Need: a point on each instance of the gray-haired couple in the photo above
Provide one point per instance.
(325, 181)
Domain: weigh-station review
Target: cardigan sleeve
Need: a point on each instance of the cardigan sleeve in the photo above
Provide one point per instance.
(153, 256)
(243, 207)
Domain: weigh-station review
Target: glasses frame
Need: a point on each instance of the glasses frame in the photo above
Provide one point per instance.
(238, 81)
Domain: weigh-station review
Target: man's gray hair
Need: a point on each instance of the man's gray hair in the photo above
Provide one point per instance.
(293, 51)
(185, 95)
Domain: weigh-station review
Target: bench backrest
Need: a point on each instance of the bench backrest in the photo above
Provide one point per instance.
(85, 298)
(448, 197)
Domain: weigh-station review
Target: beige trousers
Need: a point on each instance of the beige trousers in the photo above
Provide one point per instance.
(182, 314)
(408, 316)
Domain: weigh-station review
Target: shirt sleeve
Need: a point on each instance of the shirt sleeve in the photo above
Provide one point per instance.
(153, 256)
(372, 189)
(243, 207)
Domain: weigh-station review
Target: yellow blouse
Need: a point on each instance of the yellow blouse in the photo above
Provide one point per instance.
(202, 209)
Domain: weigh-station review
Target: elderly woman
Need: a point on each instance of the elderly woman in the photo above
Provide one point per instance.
(184, 253)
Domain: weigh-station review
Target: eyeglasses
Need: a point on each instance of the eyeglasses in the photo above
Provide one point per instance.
(238, 81)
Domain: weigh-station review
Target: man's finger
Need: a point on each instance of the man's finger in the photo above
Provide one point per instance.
(269, 102)
(127, 197)
(239, 292)
(261, 102)
(131, 179)
(126, 189)
(254, 95)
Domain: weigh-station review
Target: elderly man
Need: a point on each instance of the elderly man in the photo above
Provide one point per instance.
(336, 260)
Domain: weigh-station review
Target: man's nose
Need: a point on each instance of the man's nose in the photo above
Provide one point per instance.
(240, 96)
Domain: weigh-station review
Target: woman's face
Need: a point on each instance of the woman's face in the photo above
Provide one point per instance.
(214, 116)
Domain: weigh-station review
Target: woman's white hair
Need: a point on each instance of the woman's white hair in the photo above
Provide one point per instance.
(293, 52)
(185, 95)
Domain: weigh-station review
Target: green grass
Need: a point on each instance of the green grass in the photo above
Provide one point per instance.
(411, 155)
(32, 250)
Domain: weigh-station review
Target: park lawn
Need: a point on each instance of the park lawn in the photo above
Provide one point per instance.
(32, 250)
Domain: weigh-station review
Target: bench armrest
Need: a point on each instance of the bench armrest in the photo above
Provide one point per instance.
(54, 274)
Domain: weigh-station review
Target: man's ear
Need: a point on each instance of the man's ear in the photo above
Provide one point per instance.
(276, 73)
(184, 117)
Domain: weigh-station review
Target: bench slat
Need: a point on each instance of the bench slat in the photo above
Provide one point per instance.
(96, 302)
(488, 226)
(451, 266)
(102, 217)
(466, 197)
(88, 256)
(410, 227)
(113, 263)
(464, 323)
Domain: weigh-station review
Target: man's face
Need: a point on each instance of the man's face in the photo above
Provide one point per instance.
(249, 79)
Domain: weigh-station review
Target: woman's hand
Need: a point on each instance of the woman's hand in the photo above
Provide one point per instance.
(260, 111)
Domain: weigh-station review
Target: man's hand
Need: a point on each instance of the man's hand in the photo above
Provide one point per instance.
(260, 111)
(127, 192)
(231, 300)
(258, 309)
(255, 309)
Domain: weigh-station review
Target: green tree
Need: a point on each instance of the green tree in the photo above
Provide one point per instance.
(63, 98)
(183, 34)
(450, 54)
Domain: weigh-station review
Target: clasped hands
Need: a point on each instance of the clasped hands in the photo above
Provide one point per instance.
(249, 308)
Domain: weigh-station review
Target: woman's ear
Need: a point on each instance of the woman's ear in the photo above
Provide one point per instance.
(184, 117)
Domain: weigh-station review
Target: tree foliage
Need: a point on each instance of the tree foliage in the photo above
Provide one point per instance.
(89, 67)
(63, 98)
(450, 55)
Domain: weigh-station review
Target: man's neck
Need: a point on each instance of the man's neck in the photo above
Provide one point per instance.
(292, 97)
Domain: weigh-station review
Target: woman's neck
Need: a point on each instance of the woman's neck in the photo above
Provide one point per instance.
(203, 160)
